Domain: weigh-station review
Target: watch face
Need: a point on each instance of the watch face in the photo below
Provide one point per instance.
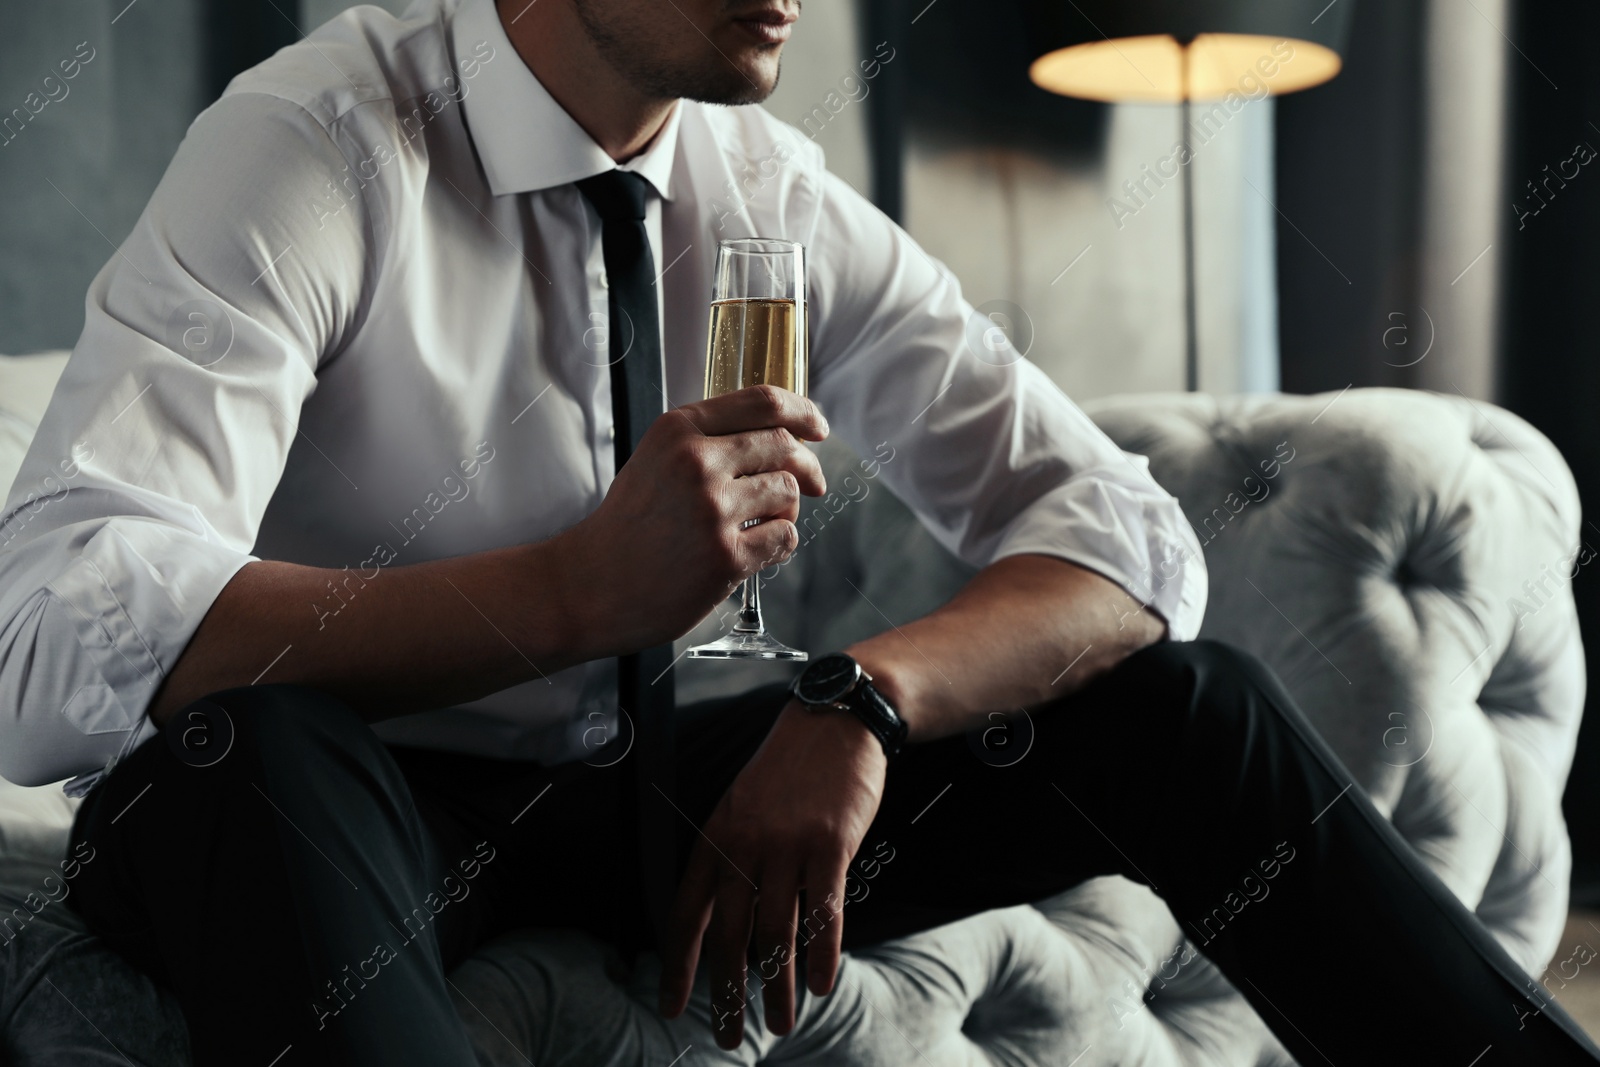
(828, 679)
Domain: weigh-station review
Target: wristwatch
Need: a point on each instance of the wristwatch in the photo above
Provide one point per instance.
(837, 681)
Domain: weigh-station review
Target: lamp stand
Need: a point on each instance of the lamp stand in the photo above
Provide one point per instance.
(1191, 355)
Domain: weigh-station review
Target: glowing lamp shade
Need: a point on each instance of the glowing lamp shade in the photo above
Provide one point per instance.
(1180, 51)
(1151, 69)
(1164, 51)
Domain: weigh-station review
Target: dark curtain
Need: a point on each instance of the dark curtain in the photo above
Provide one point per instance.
(965, 80)
(241, 33)
(1549, 368)
(887, 20)
(1349, 180)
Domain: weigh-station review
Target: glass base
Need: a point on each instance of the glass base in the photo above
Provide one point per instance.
(757, 644)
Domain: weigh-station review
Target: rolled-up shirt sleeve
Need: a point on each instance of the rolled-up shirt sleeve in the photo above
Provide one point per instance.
(991, 455)
(143, 489)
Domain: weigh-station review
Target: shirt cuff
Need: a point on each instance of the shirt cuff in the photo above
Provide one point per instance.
(1132, 535)
(133, 597)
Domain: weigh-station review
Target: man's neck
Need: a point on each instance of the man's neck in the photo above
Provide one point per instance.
(556, 47)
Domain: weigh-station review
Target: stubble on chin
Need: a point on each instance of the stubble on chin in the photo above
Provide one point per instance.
(736, 89)
(710, 79)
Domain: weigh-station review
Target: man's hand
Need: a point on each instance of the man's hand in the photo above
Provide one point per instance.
(658, 554)
(790, 822)
(670, 540)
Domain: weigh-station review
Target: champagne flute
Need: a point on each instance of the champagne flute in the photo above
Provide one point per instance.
(757, 336)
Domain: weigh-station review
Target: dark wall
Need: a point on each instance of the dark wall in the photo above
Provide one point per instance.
(75, 173)
(1550, 353)
(79, 163)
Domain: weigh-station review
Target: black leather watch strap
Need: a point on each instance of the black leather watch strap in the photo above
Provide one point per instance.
(878, 715)
(837, 681)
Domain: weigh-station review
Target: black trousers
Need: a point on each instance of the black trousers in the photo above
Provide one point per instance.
(267, 879)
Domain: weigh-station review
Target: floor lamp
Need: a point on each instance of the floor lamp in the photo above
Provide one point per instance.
(1178, 51)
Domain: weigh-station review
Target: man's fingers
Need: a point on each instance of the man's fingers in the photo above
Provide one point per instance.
(774, 943)
(774, 495)
(727, 942)
(759, 451)
(773, 541)
(825, 878)
(757, 408)
(691, 911)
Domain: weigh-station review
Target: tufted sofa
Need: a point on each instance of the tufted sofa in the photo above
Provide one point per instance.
(1401, 559)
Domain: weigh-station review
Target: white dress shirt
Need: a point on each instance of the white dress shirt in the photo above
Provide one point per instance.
(362, 324)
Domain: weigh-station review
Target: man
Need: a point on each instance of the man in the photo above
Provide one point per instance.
(345, 524)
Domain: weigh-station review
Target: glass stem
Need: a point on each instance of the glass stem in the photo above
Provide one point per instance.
(750, 607)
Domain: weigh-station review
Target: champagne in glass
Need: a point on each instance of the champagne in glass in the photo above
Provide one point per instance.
(753, 342)
(757, 337)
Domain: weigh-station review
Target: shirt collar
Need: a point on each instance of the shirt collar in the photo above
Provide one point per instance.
(525, 139)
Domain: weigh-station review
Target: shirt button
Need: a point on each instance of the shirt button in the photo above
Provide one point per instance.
(605, 283)
(611, 432)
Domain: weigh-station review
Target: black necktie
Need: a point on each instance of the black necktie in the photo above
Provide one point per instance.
(644, 679)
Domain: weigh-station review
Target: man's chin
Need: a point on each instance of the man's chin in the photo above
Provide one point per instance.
(748, 82)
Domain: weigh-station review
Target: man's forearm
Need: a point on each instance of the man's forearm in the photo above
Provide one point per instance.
(1025, 630)
(669, 541)
(410, 638)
